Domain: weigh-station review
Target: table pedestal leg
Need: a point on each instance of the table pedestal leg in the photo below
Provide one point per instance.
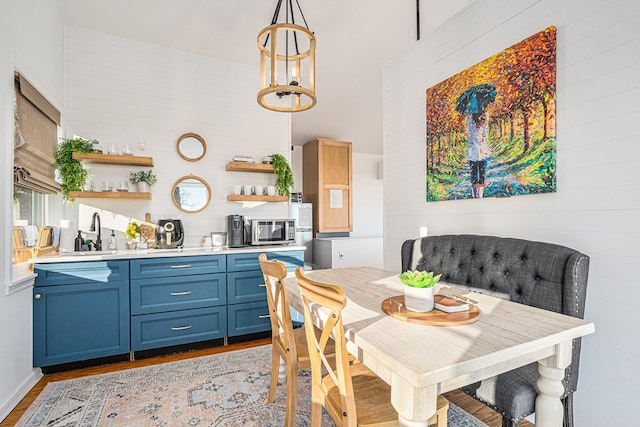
(549, 410)
(414, 406)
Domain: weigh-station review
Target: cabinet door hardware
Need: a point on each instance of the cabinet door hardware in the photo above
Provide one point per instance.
(181, 328)
(177, 294)
(181, 266)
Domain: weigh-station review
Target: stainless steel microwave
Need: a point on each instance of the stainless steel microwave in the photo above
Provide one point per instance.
(271, 231)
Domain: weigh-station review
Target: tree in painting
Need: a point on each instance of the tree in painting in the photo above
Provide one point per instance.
(491, 127)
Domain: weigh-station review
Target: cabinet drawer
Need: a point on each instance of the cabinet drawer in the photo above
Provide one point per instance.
(67, 273)
(177, 266)
(245, 286)
(178, 293)
(248, 318)
(244, 262)
(177, 327)
(80, 322)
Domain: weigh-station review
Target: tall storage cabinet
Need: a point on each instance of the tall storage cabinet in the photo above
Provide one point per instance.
(328, 174)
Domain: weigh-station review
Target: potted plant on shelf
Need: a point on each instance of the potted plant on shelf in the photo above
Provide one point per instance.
(143, 179)
(418, 289)
(73, 173)
(284, 175)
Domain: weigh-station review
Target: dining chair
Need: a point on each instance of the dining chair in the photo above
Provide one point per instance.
(288, 344)
(351, 393)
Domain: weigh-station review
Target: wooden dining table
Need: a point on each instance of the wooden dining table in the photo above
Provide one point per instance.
(421, 361)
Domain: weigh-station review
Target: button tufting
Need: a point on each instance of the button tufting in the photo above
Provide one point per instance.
(519, 291)
(468, 281)
(506, 272)
(481, 269)
(495, 255)
(460, 265)
(492, 287)
(537, 278)
(453, 251)
(523, 257)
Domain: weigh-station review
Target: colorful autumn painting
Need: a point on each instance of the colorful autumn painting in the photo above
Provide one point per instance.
(491, 128)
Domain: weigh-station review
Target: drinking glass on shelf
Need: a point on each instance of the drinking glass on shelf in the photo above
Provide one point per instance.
(126, 150)
(123, 186)
(113, 149)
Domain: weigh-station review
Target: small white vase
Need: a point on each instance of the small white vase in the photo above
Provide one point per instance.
(418, 299)
(143, 187)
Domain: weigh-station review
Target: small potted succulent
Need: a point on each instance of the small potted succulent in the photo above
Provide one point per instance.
(143, 179)
(418, 289)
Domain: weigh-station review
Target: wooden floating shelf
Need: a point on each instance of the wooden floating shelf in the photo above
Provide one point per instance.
(250, 167)
(109, 159)
(241, 198)
(108, 195)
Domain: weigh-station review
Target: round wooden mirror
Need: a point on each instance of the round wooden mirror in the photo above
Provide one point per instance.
(191, 147)
(191, 194)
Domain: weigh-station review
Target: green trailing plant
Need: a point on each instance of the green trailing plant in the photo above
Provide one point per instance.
(73, 173)
(143, 176)
(284, 175)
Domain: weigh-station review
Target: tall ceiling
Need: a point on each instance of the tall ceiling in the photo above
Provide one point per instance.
(355, 38)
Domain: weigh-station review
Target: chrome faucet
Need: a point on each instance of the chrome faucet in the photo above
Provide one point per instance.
(98, 242)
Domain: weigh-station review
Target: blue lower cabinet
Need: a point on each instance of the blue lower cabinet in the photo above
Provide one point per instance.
(178, 293)
(248, 318)
(80, 321)
(249, 261)
(245, 286)
(179, 327)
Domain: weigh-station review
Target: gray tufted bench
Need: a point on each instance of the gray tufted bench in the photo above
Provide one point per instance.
(538, 274)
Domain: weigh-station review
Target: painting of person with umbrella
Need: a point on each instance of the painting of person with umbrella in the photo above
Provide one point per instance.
(473, 103)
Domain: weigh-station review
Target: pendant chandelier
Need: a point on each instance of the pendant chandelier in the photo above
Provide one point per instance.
(287, 62)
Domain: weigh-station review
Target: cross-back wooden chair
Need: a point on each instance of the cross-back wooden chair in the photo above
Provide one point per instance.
(352, 394)
(287, 343)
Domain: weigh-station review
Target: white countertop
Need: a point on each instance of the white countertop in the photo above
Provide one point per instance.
(158, 253)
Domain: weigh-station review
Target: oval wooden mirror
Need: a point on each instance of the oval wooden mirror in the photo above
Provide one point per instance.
(191, 194)
(191, 147)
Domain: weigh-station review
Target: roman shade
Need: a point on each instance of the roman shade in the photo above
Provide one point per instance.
(35, 139)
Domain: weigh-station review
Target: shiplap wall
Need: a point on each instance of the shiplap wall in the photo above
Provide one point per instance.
(121, 91)
(596, 208)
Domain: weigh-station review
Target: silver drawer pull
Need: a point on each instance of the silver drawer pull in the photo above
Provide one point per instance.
(177, 294)
(181, 328)
(181, 266)
(264, 285)
(266, 316)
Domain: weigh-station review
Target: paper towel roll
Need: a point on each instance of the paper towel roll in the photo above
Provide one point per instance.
(68, 232)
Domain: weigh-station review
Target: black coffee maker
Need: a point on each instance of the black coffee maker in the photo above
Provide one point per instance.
(236, 231)
(169, 234)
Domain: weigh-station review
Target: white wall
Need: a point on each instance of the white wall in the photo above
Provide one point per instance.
(121, 91)
(31, 41)
(597, 204)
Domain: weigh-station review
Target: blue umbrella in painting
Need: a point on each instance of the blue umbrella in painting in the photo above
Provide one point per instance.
(476, 99)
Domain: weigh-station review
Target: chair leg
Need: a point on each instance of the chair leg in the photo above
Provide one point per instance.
(275, 368)
(506, 422)
(316, 411)
(567, 403)
(292, 388)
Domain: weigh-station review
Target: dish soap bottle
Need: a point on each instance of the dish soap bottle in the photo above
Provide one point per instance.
(112, 241)
(77, 246)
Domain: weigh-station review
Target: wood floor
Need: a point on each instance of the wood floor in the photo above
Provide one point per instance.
(478, 410)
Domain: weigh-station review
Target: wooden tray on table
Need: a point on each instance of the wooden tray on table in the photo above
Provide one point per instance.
(394, 307)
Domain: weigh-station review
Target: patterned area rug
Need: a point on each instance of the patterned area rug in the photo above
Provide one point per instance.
(228, 389)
